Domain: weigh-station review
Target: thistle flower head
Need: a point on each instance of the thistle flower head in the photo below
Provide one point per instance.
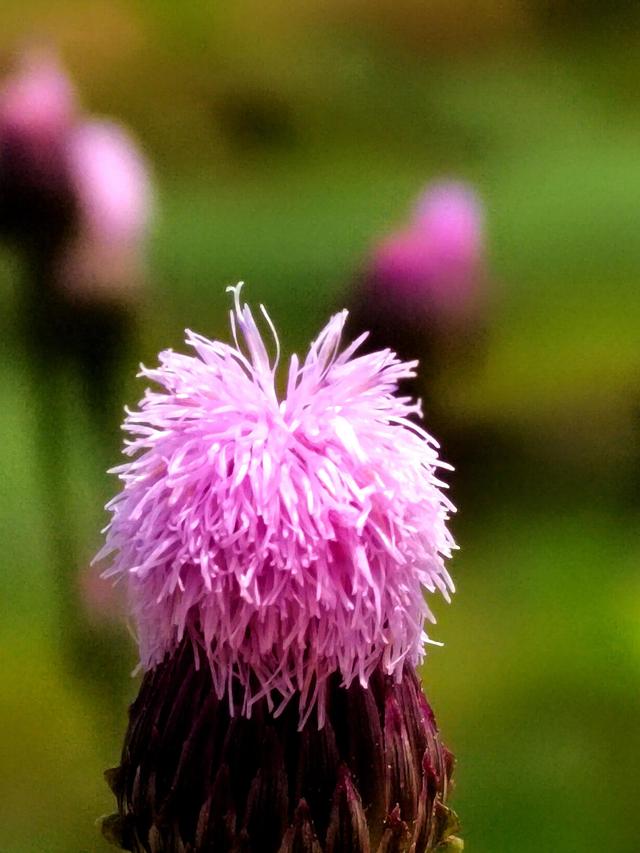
(288, 537)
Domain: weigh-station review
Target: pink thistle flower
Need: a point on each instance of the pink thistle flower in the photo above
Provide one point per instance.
(287, 538)
(288, 541)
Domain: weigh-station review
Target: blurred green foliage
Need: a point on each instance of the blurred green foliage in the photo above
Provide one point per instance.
(285, 139)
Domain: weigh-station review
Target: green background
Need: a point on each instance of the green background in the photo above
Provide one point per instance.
(537, 688)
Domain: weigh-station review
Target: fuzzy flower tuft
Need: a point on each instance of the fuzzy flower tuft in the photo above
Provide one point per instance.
(288, 538)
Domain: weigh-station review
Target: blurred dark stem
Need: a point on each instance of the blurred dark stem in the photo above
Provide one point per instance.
(59, 338)
(424, 336)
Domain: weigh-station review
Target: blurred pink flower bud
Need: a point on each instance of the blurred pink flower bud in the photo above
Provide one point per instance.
(113, 192)
(37, 110)
(38, 101)
(452, 219)
(111, 181)
(437, 262)
(402, 265)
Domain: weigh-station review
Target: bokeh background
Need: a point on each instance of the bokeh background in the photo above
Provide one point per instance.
(285, 137)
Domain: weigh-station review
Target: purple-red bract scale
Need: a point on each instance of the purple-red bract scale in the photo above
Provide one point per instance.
(289, 538)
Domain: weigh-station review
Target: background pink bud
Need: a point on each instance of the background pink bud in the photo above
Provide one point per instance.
(111, 180)
(452, 220)
(111, 185)
(37, 111)
(436, 263)
(37, 105)
(403, 265)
